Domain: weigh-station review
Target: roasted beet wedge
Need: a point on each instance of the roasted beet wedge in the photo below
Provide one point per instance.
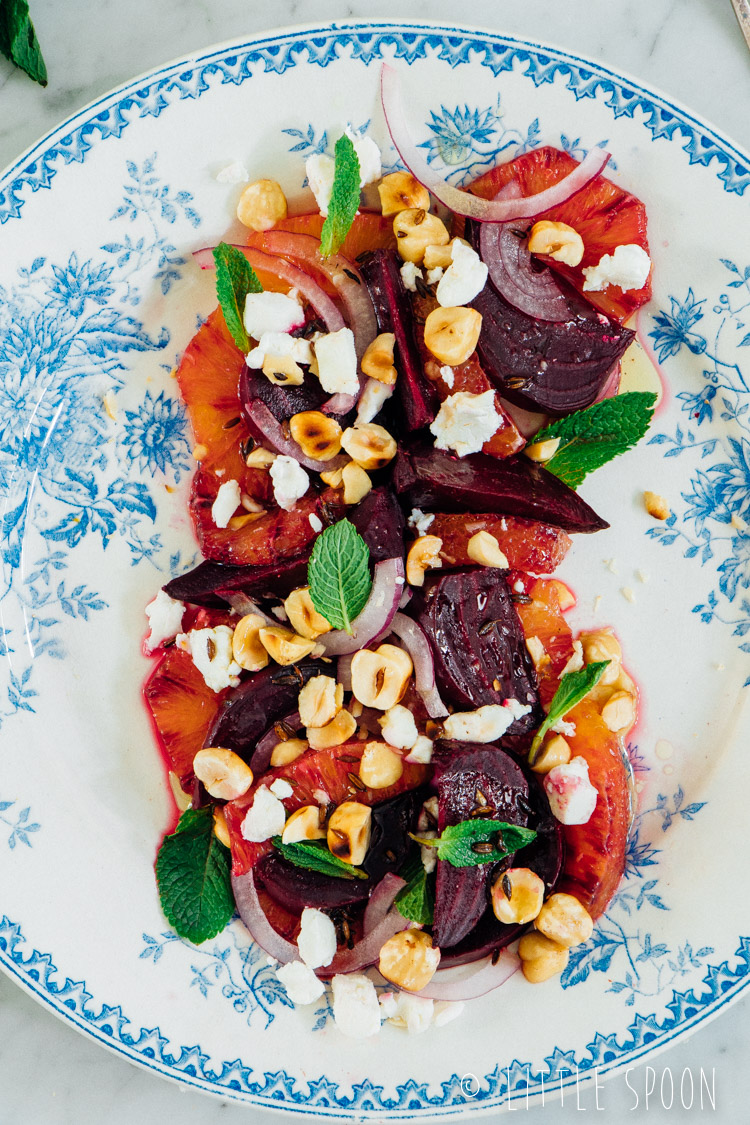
(380, 522)
(419, 400)
(550, 366)
(294, 888)
(471, 776)
(430, 479)
(477, 641)
(207, 583)
(283, 402)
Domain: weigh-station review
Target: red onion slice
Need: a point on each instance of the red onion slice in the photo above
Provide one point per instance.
(344, 672)
(297, 278)
(258, 926)
(419, 650)
(367, 950)
(466, 982)
(381, 901)
(462, 202)
(244, 605)
(376, 618)
(273, 432)
(261, 758)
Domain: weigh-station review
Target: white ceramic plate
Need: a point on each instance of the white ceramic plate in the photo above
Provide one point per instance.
(99, 296)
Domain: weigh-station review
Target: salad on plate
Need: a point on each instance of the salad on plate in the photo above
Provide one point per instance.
(391, 753)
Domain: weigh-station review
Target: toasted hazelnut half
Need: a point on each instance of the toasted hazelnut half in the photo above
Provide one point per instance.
(554, 752)
(223, 772)
(603, 645)
(340, 729)
(319, 700)
(303, 824)
(400, 191)
(333, 477)
(438, 257)
(484, 549)
(563, 919)
(260, 458)
(424, 554)
(282, 370)
(557, 240)
(542, 450)
(247, 648)
(619, 711)
(261, 205)
(380, 678)
(409, 960)
(316, 434)
(348, 833)
(356, 483)
(541, 958)
(303, 616)
(380, 765)
(415, 229)
(284, 646)
(452, 333)
(221, 832)
(377, 362)
(285, 752)
(656, 505)
(369, 444)
(517, 896)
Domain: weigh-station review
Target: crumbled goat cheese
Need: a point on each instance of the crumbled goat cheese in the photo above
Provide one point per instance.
(486, 724)
(373, 399)
(562, 727)
(234, 173)
(280, 613)
(434, 275)
(317, 938)
(448, 375)
(226, 503)
(572, 797)
(279, 343)
(320, 168)
(428, 814)
(447, 1010)
(290, 481)
(211, 651)
(315, 523)
(300, 982)
(428, 855)
(412, 1012)
(337, 362)
(465, 422)
(575, 663)
(368, 155)
(321, 797)
(281, 788)
(399, 728)
(518, 584)
(628, 267)
(464, 278)
(420, 520)
(272, 312)
(165, 618)
(356, 1011)
(387, 1004)
(265, 818)
(421, 751)
(410, 271)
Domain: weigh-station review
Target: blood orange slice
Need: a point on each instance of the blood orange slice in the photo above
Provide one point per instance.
(526, 544)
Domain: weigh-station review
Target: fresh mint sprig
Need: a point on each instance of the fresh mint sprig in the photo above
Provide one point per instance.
(472, 842)
(344, 197)
(416, 900)
(193, 877)
(315, 855)
(338, 574)
(235, 278)
(574, 686)
(18, 41)
(590, 438)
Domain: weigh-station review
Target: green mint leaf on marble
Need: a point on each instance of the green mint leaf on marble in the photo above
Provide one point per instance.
(471, 842)
(344, 197)
(235, 278)
(574, 686)
(315, 855)
(18, 41)
(416, 900)
(338, 574)
(193, 876)
(590, 438)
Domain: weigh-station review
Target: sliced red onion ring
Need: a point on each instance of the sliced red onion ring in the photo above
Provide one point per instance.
(244, 605)
(466, 982)
(309, 289)
(367, 950)
(273, 432)
(462, 202)
(420, 652)
(259, 928)
(344, 672)
(261, 758)
(375, 619)
(381, 901)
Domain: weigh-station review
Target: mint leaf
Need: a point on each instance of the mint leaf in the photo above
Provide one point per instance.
(235, 278)
(573, 687)
(344, 197)
(315, 855)
(192, 873)
(471, 842)
(416, 901)
(338, 574)
(590, 438)
(18, 41)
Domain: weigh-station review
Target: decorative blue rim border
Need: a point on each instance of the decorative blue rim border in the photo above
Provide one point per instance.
(150, 96)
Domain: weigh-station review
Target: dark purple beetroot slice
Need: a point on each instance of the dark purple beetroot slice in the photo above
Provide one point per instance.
(283, 402)
(259, 702)
(205, 583)
(476, 639)
(434, 480)
(471, 776)
(418, 397)
(380, 522)
(389, 842)
(294, 888)
(550, 366)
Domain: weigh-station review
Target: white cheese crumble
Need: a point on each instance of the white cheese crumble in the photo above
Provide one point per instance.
(321, 797)
(575, 662)
(315, 523)
(434, 275)
(279, 343)
(373, 399)
(410, 271)
(465, 422)
(399, 728)
(265, 818)
(211, 651)
(300, 982)
(421, 751)
(281, 788)
(412, 1012)
(427, 854)
(420, 520)
(165, 619)
(356, 1011)
(572, 798)
(563, 727)
(290, 481)
(448, 375)
(272, 312)
(447, 1010)
(465, 277)
(226, 503)
(320, 168)
(486, 724)
(628, 267)
(317, 938)
(337, 362)
(368, 155)
(234, 173)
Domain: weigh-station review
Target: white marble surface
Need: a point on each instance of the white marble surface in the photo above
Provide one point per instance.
(692, 49)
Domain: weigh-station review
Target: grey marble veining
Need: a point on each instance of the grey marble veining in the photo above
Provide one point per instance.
(691, 49)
